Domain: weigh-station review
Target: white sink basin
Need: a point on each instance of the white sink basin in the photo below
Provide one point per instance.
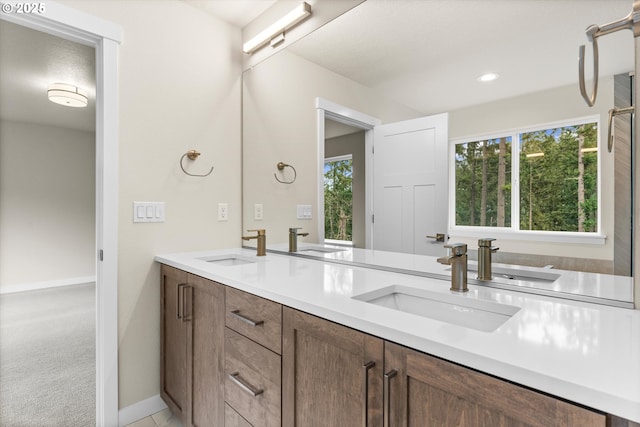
(228, 260)
(457, 309)
(321, 250)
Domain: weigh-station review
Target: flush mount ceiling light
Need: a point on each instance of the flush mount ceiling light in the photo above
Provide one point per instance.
(69, 95)
(488, 77)
(277, 29)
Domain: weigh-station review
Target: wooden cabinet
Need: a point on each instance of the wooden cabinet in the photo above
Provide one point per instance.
(192, 346)
(252, 368)
(332, 375)
(422, 390)
(230, 358)
(173, 346)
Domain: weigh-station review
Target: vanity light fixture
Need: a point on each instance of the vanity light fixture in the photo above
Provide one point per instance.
(276, 30)
(68, 95)
(488, 77)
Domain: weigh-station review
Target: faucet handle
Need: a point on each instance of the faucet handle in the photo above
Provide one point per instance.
(260, 231)
(457, 249)
(486, 242)
(294, 229)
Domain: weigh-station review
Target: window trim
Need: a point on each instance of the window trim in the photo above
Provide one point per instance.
(513, 232)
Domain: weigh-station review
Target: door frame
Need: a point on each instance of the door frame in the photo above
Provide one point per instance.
(336, 112)
(105, 37)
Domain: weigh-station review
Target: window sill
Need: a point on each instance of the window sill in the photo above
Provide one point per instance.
(534, 236)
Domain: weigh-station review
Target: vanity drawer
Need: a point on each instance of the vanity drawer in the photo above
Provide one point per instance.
(255, 318)
(252, 384)
(233, 419)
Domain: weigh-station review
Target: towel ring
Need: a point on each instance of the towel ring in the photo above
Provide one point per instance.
(629, 22)
(281, 166)
(192, 155)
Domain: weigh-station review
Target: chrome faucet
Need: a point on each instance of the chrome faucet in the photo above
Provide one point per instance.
(484, 258)
(457, 259)
(293, 238)
(261, 237)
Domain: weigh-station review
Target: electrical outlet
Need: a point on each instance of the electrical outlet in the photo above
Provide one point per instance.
(223, 212)
(258, 210)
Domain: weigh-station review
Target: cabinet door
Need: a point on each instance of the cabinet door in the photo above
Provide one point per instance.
(428, 391)
(173, 353)
(205, 308)
(332, 375)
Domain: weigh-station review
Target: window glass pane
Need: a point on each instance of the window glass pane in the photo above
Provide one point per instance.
(483, 183)
(559, 179)
(338, 200)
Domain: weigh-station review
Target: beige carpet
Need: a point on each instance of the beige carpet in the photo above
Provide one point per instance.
(47, 358)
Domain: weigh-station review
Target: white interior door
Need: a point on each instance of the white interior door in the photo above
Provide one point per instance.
(410, 184)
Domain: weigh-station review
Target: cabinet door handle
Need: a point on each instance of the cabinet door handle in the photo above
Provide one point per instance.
(235, 378)
(365, 391)
(179, 301)
(186, 315)
(237, 315)
(387, 396)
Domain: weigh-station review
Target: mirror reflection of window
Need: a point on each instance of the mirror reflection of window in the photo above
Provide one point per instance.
(338, 198)
(555, 190)
(483, 182)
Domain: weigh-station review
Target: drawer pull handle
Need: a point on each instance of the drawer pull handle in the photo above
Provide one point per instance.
(235, 377)
(365, 391)
(237, 315)
(387, 396)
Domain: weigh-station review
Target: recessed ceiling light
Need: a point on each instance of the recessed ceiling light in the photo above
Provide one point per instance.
(68, 95)
(488, 77)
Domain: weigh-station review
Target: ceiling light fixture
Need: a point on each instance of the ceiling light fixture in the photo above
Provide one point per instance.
(277, 29)
(68, 95)
(488, 77)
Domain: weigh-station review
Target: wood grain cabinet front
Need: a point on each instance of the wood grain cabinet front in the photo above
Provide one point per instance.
(332, 375)
(192, 353)
(252, 382)
(421, 391)
(256, 318)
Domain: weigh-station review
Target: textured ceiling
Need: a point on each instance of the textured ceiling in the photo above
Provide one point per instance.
(31, 60)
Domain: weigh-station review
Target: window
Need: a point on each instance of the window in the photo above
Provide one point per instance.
(542, 179)
(338, 198)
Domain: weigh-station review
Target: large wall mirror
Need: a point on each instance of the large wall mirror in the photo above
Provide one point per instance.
(392, 61)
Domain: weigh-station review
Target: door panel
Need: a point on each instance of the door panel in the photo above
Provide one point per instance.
(410, 184)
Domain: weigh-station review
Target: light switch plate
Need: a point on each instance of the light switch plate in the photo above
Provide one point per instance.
(148, 211)
(304, 212)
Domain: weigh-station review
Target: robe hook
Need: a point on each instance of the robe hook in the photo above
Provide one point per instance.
(192, 155)
(281, 166)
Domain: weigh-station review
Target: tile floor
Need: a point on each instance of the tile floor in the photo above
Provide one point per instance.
(161, 419)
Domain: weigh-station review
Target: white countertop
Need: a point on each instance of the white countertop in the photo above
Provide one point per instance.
(583, 352)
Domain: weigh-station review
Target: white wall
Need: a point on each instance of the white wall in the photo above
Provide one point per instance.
(280, 124)
(179, 72)
(47, 205)
(543, 107)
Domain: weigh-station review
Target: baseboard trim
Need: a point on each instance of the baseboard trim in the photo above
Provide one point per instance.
(22, 287)
(140, 410)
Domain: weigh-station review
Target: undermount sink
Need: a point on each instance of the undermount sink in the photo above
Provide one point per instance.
(228, 260)
(508, 275)
(457, 309)
(321, 250)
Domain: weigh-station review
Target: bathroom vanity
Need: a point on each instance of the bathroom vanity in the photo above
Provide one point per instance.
(286, 340)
